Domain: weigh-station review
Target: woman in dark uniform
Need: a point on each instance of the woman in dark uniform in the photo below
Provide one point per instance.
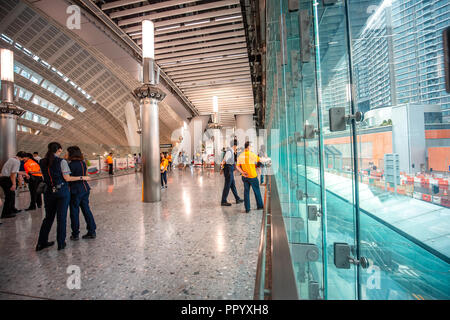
(79, 196)
(56, 174)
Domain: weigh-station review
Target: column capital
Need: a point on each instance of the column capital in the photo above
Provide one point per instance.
(149, 91)
(9, 108)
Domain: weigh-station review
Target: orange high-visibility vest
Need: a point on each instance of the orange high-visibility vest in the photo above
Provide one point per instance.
(32, 166)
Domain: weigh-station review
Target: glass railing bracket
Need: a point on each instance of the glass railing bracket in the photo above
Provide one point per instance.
(313, 212)
(293, 5)
(303, 253)
(338, 119)
(343, 259)
(314, 290)
(301, 195)
(310, 131)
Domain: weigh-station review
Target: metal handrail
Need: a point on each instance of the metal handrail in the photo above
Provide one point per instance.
(282, 282)
(283, 279)
(262, 244)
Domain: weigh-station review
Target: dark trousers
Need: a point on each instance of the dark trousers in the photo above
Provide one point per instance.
(163, 178)
(110, 165)
(77, 201)
(56, 204)
(35, 199)
(254, 184)
(10, 196)
(229, 183)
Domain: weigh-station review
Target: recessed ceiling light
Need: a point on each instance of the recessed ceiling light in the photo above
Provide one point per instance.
(197, 22)
(228, 18)
(168, 28)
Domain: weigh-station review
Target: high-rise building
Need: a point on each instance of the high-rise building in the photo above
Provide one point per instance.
(398, 56)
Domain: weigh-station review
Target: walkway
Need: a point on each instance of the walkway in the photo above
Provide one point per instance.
(186, 247)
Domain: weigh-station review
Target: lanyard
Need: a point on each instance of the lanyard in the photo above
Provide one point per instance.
(84, 172)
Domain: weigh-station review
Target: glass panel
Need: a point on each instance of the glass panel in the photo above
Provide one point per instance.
(35, 117)
(335, 154)
(291, 98)
(403, 153)
(54, 125)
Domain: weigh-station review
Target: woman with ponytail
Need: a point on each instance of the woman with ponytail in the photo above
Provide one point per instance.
(56, 174)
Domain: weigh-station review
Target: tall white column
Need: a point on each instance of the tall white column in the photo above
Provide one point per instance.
(131, 128)
(196, 128)
(150, 151)
(149, 95)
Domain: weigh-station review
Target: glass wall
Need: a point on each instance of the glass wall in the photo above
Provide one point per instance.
(377, 184)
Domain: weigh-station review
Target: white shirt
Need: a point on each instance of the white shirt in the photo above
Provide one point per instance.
(11, 166)
(229, 156)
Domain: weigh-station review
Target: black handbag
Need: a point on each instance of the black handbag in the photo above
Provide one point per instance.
(41, 187)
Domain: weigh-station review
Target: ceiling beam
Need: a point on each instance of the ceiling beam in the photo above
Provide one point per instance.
(121, 3)
(217, 87)
(204, 95)
(177, 12)
(194, 54)
(204, 46)
(188, 19)
(245, 73)
(209, 72)
(202, 56)
(205, 62)
(146, 8)
(210, 82)
(184, 40)
(209, 27)
(215, 84)
(177, 68)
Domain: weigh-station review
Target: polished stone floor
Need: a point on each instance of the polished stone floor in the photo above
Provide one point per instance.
(185, 247)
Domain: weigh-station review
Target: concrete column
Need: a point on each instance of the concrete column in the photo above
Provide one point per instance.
(217, 149)
(245, 130)
(196, 128)
(132, 125)
(244, 121)
(8, 138)
(151, 188)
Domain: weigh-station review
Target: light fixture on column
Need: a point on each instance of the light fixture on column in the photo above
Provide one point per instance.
(7, 65)
(148, 39)
(9, 112)
(149, 95)
(215, 116)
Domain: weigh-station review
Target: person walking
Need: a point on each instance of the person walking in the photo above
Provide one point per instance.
(262, 168)
(110, 162)
(180, 159)
(56, 174)
(79, 196)
(135, 159)
(169, 158)
(246, 165)
(163, 166)
(139, 162)
(228, 165)
(33, 169)
(9, 173)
